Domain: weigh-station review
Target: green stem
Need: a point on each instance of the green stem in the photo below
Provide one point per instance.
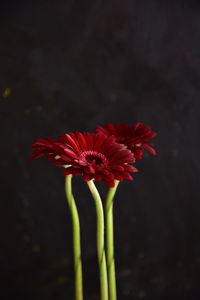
(100, 241)
(76, 239)
(110, 242)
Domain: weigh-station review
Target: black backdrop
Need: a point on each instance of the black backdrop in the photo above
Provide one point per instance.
(72, 65)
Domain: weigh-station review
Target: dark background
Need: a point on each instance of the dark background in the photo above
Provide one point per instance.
(73, 65)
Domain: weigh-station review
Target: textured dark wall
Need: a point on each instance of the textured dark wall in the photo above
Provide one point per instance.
(72, 65)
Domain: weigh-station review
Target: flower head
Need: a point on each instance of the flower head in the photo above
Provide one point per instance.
(134, 137)
(94, 156)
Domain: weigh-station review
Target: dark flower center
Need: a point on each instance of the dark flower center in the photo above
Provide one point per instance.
(93, 156)
(90, 158)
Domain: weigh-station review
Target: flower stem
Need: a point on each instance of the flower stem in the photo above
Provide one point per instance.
(110, 242)
(100, 241)
(76, 239)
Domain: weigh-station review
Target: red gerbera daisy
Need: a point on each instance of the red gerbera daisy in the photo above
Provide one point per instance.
(134, 137)
(93, 156)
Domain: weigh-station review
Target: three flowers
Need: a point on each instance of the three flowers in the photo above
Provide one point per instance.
(104, 155)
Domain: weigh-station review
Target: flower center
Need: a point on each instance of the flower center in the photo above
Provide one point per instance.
(92, 156)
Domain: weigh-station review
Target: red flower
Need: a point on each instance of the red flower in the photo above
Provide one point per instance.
(134, 137)
(93, 156)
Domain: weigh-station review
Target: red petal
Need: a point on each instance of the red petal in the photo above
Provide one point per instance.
(70, 153)
(36, 155)
(130, 168)
(89, 140)
(109, 182)
(123, 156)
(98, 176)
(73, 142)
(111, 128)
(109, 142)
(92, 170)
(62, 139)
(58, 162)
(71, 170)
(100, 138)
(88, 177)
(116, 168)
(150, 149)
(81, 140)
(115, 148)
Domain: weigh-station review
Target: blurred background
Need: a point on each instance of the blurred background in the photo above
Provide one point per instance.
(70, 65)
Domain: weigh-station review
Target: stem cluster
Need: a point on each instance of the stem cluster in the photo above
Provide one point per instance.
(106, 261)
